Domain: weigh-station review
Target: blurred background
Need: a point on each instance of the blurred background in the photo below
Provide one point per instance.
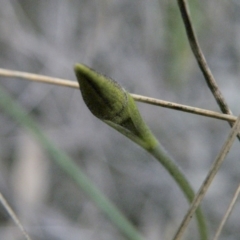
(141, 44)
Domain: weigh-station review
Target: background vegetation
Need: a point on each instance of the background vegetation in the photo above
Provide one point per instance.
(143, 45)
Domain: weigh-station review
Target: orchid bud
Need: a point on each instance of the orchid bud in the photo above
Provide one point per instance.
(108, 101)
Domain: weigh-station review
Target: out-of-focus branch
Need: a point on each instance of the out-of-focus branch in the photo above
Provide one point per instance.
(228, 212)
(140, 98)
(14, 216)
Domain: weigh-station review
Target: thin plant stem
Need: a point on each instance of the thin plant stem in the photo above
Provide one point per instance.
(201, 60)
(14, 217)
(193, 41)
(38, 78)
(208, 180)
(184, 185)
(227, 214)
(139, 98)
(69, 167)
(184, 108)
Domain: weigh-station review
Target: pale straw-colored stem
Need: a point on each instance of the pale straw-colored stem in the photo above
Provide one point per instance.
(208, 180)
(140, 98)
(227, 214)
(14, 217)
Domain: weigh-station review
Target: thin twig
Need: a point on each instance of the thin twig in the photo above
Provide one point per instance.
(208, 180)
(211, 82)
(153, 101)
(13, 216)
(38, 78)
(200, 57)
(184, 108)
(227, 214)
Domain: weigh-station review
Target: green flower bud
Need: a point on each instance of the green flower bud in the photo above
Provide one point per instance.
(104, 97)
(108, 101)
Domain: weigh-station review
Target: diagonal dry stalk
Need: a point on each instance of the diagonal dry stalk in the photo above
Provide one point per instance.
(140, 98)
(14, 217)
(211, 82)
(208, 180)
(227, 214)
(202, 63)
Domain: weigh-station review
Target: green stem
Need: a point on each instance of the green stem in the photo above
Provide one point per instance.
(69, 167)
(160, 154)
(108, 101)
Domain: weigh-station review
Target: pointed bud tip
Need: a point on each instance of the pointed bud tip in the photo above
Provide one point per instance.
(78, 67)
(81, 71)
(104, 97)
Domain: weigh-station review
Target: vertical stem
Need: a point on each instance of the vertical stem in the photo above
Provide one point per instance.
(160, 154)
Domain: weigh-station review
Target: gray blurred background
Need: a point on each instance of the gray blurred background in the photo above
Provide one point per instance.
(142, 45)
